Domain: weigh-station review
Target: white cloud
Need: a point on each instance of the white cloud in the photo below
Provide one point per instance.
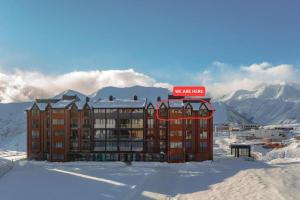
(221, 78)
(21, 85)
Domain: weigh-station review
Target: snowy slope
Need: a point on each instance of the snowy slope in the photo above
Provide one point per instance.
(13, 125)
(268, 104)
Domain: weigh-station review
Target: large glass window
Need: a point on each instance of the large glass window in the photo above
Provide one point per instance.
(150, 123)
(176, 133)
(35, 112)
(188, 144)
(35, 123)
(59, 133)
(111, 146)
(137, 123)
(150, 112)
(176, 122)
(203, 135)
(163, 134)
(35, 134)
(137, 146)
(99, 123)
(35, 145)
(99, 110)
(59, 144)
(137, 134)
(58, 121)
(188, 134)
(111, 123)
(174, 145)
(111, 110)
(125, 123)
(163, 124)
(58, 111)
(74, 134)
(111, 134)
(99, 135)
(203, 146)
(86, 134)
(99, 146)
(124, 146)
(203, 123)
(125, 134)
(137, 110)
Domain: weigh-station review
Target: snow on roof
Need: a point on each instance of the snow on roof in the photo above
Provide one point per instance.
(195, 106)
(62, 104)
(176, 104)
(120, 103)
(42, 106)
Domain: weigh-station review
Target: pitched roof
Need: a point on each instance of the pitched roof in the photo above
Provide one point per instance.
(120, 103)
(62, 104)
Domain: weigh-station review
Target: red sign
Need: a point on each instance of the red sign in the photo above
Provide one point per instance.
(189, 91)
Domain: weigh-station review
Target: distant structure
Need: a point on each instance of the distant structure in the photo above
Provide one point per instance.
(72, 129)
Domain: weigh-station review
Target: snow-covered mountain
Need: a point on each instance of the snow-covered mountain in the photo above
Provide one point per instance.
(268, 104)
(13, 125)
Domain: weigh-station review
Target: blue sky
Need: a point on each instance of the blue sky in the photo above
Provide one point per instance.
(166, 40)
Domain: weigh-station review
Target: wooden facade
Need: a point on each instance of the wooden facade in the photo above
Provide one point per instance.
(69, 129)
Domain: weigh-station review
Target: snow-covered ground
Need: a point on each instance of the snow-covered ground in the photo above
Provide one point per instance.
(224, 178)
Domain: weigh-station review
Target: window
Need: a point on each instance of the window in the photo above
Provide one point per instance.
(35, 123)
(150, 112)
(86, 134)
(86, 112)
(124, 146)
(162, 146)
(99, 123)
(163, 134)
(163, 112)
(137, 146)
(58, 111)
(99, 135)
(35, 112)
(111, 134)
(188, 134)
(176, 122)
(58, 121)
(163, 124)
(35, 145)
(174, 145)
(137, 134)
(125, 123)
(74, 145)
(150, 123)
(59, 133)
(150, 146)
(97, 110)
(138, 111)
(74, 123)
(176, 133)
(203, 146)
(74, 112)
(111, 123)
(74, 135)
(176, 111)
(111, 110)
(188, 144)
(35, 134)
(124, 134)
(188, 123)
(86, 146)
(124, 110)
(99, 146)
(59, 144)
(111, 146)
(203, 135)
(203, 123)
(188, 112)
(137, 123)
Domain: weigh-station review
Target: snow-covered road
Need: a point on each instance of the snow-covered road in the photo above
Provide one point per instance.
(224, 178)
